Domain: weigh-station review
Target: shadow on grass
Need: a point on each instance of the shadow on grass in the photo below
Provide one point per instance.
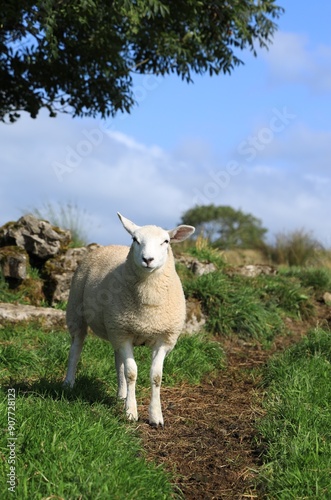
(86, 389)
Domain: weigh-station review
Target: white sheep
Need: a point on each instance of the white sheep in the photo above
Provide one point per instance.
(130, 296)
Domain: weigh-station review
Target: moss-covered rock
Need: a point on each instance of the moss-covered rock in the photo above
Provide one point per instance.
(37, 237)
(58, 273)
(14, 262)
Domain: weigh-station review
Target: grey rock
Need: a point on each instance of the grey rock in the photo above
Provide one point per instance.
(253, 270)
(39, 238)
(13, 263)
(59, 271)
(47, 317)
(200, 268)
(197, 267)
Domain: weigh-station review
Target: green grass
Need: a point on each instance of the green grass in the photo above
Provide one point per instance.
(29, 292)
(297, 428)
(318, 279)
(286, 294)
(203, 251)
(30, 354)
(7, 295)
(237, 305)
(254, 308)
(78, 450)
(78, 444)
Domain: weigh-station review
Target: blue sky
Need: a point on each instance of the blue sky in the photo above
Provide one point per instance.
(258, 140)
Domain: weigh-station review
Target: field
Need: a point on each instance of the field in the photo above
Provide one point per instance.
(246, 403)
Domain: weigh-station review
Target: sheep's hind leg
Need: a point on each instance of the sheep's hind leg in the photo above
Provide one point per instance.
(155, 411)
(125, 353)
(121, 382)
(77, 341)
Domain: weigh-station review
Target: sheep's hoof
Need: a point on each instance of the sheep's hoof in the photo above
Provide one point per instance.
(132, 416)
(155, 417)
(67, 385)
(155, 425)
(156, 421)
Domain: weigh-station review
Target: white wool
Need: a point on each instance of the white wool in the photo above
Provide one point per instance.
(130, 296)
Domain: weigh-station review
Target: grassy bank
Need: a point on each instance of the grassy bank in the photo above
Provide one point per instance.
(296, 431)
(255, 308)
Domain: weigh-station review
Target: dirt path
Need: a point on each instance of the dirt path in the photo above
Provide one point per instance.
(210, 439)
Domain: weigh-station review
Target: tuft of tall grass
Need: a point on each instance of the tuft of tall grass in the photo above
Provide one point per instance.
(296, 432)
(250, 307)
(66, 216)
(296, 248)
(203, 251)
(6, 295)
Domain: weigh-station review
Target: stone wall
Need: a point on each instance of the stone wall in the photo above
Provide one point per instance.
(32, 244)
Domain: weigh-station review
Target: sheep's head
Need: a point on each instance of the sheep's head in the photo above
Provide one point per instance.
(150, 244)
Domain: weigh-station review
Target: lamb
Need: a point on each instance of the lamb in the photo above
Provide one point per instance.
(130, 296)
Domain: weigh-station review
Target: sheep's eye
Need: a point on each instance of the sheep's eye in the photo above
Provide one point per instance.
(165, 241)
(135, 240)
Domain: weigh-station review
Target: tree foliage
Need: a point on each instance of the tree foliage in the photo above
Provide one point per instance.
(226, 227)
(79, 57)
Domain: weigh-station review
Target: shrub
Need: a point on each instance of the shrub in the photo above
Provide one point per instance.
(297, 248)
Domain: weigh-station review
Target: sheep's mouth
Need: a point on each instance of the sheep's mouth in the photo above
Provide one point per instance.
(148, 267)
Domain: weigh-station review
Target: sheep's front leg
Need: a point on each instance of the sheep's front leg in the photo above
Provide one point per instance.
(155, 411)
(125, 357)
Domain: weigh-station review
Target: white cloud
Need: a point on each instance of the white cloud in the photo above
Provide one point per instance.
(284, 200)
(151, 185)
(288, 56)
(303, 148)
(115, 173)
(291, 59)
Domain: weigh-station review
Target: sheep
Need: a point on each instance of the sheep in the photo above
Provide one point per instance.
(130, 296)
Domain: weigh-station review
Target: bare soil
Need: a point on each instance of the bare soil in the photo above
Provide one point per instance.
(210, 441)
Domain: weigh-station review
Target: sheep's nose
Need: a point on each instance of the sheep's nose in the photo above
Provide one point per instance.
(148, 261)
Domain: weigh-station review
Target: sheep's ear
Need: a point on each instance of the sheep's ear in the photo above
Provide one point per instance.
(130, 226)
(180, 233)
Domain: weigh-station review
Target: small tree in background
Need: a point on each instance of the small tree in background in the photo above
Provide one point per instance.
(226, 227)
